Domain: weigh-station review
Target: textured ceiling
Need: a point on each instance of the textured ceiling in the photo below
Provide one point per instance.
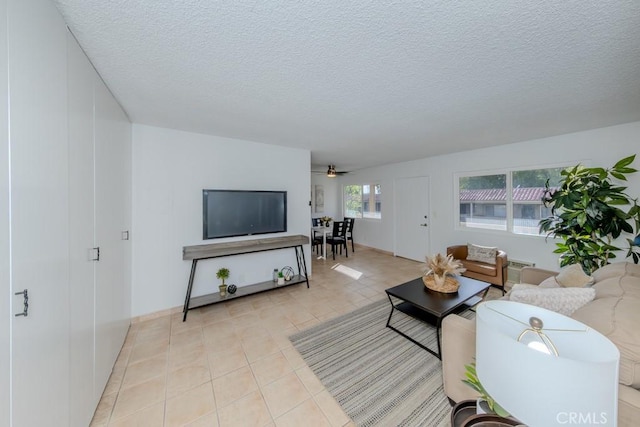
(363, 83)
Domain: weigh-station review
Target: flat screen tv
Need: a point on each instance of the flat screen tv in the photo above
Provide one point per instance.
(228, 213)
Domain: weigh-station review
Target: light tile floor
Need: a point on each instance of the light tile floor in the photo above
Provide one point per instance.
(232, 364)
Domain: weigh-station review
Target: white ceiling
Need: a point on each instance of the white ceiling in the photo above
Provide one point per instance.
(367, 82)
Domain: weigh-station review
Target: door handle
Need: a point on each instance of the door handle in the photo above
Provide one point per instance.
(424, 225)
(25, 296)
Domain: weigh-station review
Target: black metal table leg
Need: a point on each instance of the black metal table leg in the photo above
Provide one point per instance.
(413, 340)
(185, 309)
(300, 256)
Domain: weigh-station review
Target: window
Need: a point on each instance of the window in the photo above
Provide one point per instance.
(482, 201)
(509, 201)
(363, 201)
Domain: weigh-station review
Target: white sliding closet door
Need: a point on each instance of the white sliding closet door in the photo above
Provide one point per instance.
(112, 309)
(5, 226)
(39, 213)
(82, 385)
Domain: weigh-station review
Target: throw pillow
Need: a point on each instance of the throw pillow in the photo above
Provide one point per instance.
(481, 253)
(549, 282)
(561, 300)
(573, 276)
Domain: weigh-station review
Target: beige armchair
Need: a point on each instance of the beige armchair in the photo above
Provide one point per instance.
(485, 272)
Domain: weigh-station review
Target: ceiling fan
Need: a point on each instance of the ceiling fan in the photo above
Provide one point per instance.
(331, 172)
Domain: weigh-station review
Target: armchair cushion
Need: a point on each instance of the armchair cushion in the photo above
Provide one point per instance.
(475, 267)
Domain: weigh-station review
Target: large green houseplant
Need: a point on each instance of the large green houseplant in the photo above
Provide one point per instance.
(588, 212)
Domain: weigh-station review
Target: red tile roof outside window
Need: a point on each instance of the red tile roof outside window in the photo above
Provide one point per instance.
(525, 194)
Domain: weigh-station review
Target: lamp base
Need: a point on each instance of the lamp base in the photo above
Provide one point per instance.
(464, 414)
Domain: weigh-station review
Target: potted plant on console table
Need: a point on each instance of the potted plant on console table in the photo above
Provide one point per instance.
(222, 274)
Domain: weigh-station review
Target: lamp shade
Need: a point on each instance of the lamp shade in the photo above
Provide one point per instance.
(577, 387)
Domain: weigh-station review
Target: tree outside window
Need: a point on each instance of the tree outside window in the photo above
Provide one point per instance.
(361, 202)
(527, 198)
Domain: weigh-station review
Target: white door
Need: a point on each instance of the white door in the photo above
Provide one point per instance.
(5, 226)
(82, 391)
(112, 309)
(412, 217)
(39, 213)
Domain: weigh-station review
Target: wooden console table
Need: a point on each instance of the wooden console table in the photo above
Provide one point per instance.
(216, 250)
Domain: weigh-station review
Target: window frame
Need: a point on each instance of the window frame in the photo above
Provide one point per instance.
(508, 172)
(372, 185)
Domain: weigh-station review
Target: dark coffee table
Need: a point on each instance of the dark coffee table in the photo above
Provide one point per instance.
(414, 299)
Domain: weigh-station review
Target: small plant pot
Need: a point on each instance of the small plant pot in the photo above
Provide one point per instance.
(223, 290)
(280, 280)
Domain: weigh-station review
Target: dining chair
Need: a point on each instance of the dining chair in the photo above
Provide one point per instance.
(316, 238)
(338, 238)
(350, 223)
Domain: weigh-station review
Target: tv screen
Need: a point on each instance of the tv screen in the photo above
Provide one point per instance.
(228, 213)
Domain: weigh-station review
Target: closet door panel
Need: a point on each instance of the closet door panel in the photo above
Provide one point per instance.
(112, 314)
(5, 252)
(80, 78)
(39, 213)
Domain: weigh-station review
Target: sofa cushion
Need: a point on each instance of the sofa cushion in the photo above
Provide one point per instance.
(482, 268)
(561, 300)
(481, 253)
(615, 313)
(617, 280)
(573, 276)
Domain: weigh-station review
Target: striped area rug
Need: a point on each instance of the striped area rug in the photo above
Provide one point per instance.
(377, 376)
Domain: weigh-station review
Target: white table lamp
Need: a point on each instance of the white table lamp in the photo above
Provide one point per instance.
(521, 372)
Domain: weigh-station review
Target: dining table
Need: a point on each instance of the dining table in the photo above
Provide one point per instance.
(324, 230)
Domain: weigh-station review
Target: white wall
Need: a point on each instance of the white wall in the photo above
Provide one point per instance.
(601, 147)
(170, 170)
(331, 187)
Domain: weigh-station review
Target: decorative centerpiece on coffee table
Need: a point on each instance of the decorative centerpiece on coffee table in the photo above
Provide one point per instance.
(441, 272)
